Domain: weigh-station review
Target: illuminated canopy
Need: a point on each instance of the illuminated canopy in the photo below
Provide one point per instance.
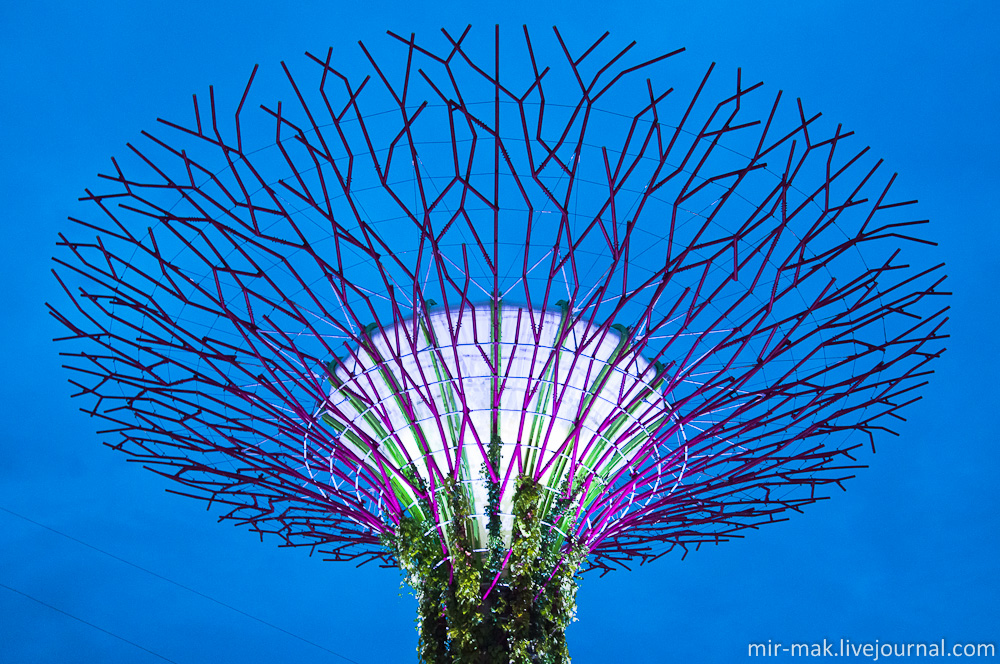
(571, 404)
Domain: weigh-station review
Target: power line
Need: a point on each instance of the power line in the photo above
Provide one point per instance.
(176, 583)
(89, 624)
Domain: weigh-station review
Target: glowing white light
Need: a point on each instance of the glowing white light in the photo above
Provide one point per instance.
(571, 399)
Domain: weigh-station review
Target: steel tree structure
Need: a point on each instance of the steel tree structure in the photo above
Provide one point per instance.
(496, 312)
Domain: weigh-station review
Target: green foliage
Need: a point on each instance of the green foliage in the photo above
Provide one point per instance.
(462, 606)
(523, 619)
(417, 554)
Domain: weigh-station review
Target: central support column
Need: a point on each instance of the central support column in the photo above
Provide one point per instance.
(508, 606)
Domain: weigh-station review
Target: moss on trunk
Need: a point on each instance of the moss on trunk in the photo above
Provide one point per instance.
(503, 606)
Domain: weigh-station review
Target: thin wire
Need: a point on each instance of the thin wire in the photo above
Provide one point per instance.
(89, 624)
(179, 585)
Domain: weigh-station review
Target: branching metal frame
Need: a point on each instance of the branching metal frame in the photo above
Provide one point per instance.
(735, 242)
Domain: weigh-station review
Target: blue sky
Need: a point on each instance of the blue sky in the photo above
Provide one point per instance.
(906, 554)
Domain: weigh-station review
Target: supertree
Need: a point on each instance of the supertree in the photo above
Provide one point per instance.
(497, 312)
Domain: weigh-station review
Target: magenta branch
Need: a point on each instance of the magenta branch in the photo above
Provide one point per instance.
(497, 310)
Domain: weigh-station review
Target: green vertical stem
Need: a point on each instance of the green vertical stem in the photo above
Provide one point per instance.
(463, 617)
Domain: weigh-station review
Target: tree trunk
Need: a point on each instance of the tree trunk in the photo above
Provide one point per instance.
(510, 605)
